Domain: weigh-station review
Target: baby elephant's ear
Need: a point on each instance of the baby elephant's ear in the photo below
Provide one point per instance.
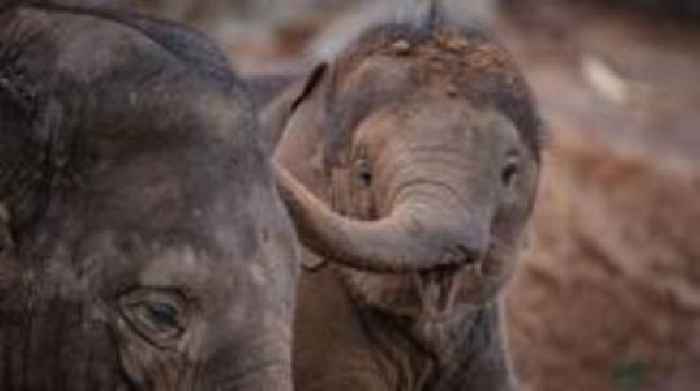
(274, 117)
(313, 81)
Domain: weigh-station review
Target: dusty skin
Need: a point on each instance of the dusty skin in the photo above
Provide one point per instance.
(409, 164)
(142, 244)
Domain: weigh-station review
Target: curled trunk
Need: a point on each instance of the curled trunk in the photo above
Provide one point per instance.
(414, 237)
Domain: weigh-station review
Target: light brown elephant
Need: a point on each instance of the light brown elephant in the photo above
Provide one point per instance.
(409, 162)
(143, 245)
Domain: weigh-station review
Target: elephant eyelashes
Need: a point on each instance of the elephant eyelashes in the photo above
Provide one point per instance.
(159, 316)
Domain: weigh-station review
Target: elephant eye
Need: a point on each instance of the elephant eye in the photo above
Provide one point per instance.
(366, 178)
(159, 316)
(162, 314)
(363, 172)
(510, 171)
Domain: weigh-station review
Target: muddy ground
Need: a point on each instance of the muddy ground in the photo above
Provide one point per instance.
(609, 296)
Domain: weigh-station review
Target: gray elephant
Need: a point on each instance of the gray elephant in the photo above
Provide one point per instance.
(142, 243)
(409, 163)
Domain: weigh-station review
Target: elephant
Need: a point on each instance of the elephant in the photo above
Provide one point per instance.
(409, 162)
(143, 244)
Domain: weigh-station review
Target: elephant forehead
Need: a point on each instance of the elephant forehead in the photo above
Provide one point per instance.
(108, 46)
(416, 122)
(177, 266)
(90, 47)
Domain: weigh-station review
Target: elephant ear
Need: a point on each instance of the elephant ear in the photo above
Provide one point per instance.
(300, 115)
(312, 83)
(26, 131)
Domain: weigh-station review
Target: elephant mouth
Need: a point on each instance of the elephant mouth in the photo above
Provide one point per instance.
(437, 296)
(440, 290)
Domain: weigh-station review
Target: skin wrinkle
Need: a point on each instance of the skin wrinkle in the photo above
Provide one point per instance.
(409, 158)
(406, 175)
(252, 373)
(430, 172)
(262, 354)
(406, 159)
(394, 354)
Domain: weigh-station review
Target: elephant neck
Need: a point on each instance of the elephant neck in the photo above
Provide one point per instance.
(433, 352)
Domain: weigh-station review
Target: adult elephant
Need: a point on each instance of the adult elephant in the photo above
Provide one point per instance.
(142, 243)
(410, 165)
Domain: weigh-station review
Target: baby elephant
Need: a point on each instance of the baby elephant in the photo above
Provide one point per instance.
(143, 245)
(410, 164)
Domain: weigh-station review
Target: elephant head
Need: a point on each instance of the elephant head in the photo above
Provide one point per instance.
(144, 246)
(411, 158)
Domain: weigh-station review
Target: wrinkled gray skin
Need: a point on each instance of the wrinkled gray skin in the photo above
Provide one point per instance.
(410, 165)
(142, 244)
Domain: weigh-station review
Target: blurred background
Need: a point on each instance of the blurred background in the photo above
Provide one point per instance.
(609, 296)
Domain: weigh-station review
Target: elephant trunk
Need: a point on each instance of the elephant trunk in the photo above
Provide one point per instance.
(418, 234)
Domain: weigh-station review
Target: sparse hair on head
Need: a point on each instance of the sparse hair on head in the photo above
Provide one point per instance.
(419, 13)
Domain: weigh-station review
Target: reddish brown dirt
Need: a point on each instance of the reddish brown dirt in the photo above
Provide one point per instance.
(609, 297)
(657, 60)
